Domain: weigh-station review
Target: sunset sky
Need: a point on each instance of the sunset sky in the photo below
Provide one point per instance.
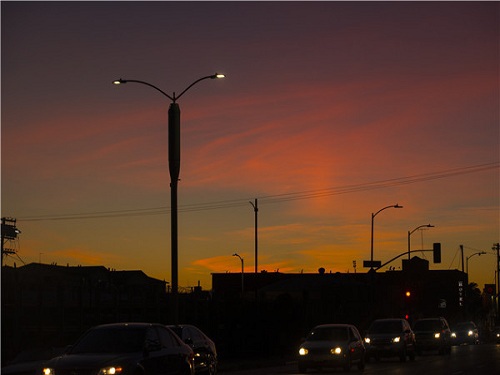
(329, 112)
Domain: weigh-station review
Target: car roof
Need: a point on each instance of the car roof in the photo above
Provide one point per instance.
(389, 320)
(130, 324)
(334, 325)
(438, 318)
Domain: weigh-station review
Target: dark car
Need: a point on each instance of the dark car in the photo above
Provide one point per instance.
(332, 345)
(390, 338)
(30, 362)
(432, 334)
(125, 349)
(205, 352)
(465, 333)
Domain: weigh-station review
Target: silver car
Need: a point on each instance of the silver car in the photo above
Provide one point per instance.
(332, 345)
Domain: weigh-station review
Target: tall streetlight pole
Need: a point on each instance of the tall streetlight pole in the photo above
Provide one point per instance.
(242, 272)
(467, 260)
(256, 210)
(373, 217)
(411, 232)
(174, 162)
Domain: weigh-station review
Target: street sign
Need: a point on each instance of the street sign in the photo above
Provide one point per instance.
(372, 263)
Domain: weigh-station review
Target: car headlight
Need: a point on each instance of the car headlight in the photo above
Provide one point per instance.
(303, 351)
(396, 339)
(336, 350)
(48, 371)
(454, 335)
(110, 370)
(470, 333)
(498, 334)
(367, 340)
(437, 335)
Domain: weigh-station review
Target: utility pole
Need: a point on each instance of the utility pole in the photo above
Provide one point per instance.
(462, 251)
(496, 246)
(9, 232)
(256, 210)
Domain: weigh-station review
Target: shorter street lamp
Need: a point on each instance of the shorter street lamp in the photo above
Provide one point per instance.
(411, 232)
(242, 272)
(467, 260)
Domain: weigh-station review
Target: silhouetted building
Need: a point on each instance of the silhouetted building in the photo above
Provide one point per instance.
(50, 305)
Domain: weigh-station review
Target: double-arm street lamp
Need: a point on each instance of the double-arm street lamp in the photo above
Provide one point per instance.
(373, 217)
(174, 161)
(411, 232)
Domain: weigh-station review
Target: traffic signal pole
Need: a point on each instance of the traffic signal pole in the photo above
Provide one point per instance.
(436, 250)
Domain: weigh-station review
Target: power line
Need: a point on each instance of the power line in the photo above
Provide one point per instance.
(271, 199)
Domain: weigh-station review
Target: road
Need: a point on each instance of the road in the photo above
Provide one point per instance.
(463, 360)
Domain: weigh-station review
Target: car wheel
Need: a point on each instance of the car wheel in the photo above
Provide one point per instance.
(212, 365)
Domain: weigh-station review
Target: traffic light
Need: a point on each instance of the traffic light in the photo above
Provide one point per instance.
(436, 249)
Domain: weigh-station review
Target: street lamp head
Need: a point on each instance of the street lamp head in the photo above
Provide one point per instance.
(119, 81)
(397, 206)
(218, 75)
(430, 226)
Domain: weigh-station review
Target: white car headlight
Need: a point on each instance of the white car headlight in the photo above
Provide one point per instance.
(367, 340)
(437, 335)
(48, 371)
(303, 351)
(110, 370)
(336, 350)
(470, 333)
(454, 335)
(396, 339)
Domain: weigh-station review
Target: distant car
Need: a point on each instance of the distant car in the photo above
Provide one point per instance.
(125, 349)
(465, 333)
(30, 362)
(332, 345)
(205, 351)
(432, 334)
(390, 338)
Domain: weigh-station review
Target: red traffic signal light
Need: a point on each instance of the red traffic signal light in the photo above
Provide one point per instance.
(489, 289)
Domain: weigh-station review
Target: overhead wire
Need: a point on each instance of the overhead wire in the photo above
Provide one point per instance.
(270, 199)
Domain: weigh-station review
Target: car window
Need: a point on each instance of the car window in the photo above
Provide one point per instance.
(166, 338)
(386, 326)
(178, 331)
(329, 334)
(428, 325)
(111, 340)
(354, 334)
(196, 335)
(152, 338)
